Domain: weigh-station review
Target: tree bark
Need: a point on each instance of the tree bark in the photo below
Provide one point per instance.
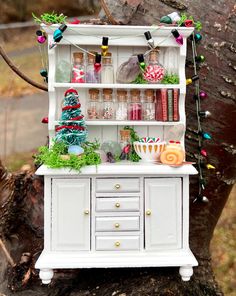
(21, 195)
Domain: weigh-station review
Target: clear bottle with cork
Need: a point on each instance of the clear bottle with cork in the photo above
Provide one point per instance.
(94, 106)
(148, 105)
(125, 144)
(108, 106)
(135, 106)
(154, 71)
(107, 74)
(93, 73)
(78, 69)
(122, 106)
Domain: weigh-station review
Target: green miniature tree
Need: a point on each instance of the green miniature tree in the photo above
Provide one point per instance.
(72, 128)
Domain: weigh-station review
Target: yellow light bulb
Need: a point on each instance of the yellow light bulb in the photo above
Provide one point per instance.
(188, 81)
(210, 166)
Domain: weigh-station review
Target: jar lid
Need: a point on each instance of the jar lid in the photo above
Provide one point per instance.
(107, 58)
(122, 95)
(153, 55)
(93, 91)
(78, 55)
(91, 56)
(107, 91)
(149, 95)
(135, 92)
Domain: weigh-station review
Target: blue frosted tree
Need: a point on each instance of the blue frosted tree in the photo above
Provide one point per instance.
(72, 128)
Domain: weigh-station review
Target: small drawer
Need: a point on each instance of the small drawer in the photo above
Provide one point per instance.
(117, 223)
(117, 204)
(118, 185)
(117, 243)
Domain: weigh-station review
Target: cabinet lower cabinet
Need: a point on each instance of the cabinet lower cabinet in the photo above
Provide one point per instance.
(71, 214)
(115, 222)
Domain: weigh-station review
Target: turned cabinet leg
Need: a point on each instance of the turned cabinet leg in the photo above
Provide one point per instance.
(46, 275)
(186, 272)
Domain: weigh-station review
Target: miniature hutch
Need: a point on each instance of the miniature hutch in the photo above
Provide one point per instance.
(121, 214)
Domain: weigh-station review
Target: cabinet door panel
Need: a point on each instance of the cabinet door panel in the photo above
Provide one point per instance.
(163, 207)
(70, 223)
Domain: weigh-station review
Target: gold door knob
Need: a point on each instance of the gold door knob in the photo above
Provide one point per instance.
(86, 212)
(117, 186)
(148, 212)
(117, 205)
(117, 244)
(117, 225)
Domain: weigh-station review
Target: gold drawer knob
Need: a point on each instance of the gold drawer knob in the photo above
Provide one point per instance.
(86, 212)
(117, 225)
(117, 244)
(117, 186)
(117, 205)
(148, 212)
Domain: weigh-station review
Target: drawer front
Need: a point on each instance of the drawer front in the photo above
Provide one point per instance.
(117, 204)
(117, 223)
(117, 243)
(118, 185)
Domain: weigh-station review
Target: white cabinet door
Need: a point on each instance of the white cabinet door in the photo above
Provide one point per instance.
(71, 214)
(163, 212)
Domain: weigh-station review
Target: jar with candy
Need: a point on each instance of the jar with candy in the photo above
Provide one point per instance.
(122, 106)
(148, 105)
(94, 106)
(154, 71)
(135, 106)
(108, 106)
(78, 69)
(93, 74)
(107, 74)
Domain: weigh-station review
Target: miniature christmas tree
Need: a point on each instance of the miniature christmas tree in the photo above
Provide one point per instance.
(72, 129)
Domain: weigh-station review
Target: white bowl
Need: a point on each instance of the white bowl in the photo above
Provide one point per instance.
(149, 152)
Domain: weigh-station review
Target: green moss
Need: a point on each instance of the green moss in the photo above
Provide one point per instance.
(50, 18)
(170, 79)
(51, 157)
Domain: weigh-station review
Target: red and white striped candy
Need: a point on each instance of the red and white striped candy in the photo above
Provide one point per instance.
(154, 73)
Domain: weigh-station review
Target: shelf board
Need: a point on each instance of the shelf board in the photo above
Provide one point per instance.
(115, 85)
(127, 122)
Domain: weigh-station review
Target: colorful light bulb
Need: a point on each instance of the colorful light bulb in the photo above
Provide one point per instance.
(198, 37)
(206, 136)
(104, 46)
(178, 37)
(204, 113)
(203, 152)
(149, 39)
(192, 79)
(141, 61)
(44, 73)
(188, 23)
(210, 166)
(41, 39)
(97, 64)
(57, 35)
(202, 94)
(44, 120)
(200, 58)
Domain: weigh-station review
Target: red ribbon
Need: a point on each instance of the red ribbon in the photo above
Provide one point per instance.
(81, 128)
(71, 107)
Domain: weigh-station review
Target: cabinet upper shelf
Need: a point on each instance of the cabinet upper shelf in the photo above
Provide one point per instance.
(118, 35)
(115, 85)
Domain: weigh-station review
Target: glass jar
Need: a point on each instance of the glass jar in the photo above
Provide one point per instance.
(92, 75)
(154, 71)
(107, 73)
(108, 106)
(135, 106)
(125, 144)
(78, 69)
(148, 105)
(94, 106)
(122, 106)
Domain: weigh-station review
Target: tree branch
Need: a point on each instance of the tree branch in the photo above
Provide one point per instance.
(108, 14)
(19, 73)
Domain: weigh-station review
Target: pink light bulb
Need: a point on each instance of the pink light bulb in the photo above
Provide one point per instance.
(179, 40)
(41, 39)
(202, 94)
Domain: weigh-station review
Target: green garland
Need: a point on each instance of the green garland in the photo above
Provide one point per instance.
(170, 79)
(50, 18)
(51, 157)
(184, 17)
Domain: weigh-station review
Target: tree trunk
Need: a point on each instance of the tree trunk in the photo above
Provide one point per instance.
(21, 195)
